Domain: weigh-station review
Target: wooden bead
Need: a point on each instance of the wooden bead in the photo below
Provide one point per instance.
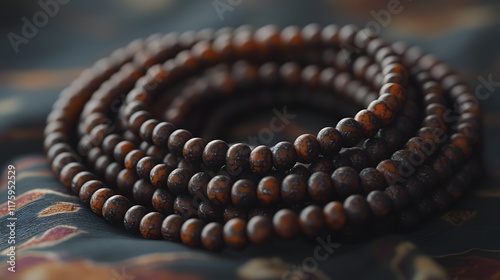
(346, 181)
(237, 158)
(144, 167)
(161, 134)
(335, 215)
(197, 185)
(376, 148)
(243, 193)
(69, 171)
(259, 230)
(320, 187)
(351, 132)
(177, 140)
(193, 150)
(125, 181)
(380, 203)
(284, 156)
(150, 225)
(389, 169)
(398, 196)
(184, 206)
(382, 111)
(268, 191)
(311, 220)
(234, 234)
(122, 149)
(114, 209)
(163, 201)
(88, 189)
(219, 190)
(133, 217)
(81, 178)
(212, 237)
(293, 189)
(177, 181)
(146, 130)
(330, 141)
(286, 223)
(99, 198)
(171, 228)
(307, 148)
(214, 154)
(191, 232)
(261, 160)
(369, 122)
(210, 213)
(357, 209)
(371, 179)
(159, 175)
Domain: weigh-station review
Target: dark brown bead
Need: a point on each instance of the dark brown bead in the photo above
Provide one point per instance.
(369, 122)
(191, 232)
(161, 134)
(81, 178)
(261, 160)
(320, 187)
(214, 154)
(231, 212)
(157, 153)
(219, 190)
(389, 169)
(177, 140)
(335, 215)
(346, 181)
(371, 179)
(330, 141)
(88, 189)
(122, 149)
(212, 237)
(57, 149)
(307, 148)
(293, 189)
(114, 209)
(321, 165)
(351, 131)
(209, 213)
(101, 164)
(146, 130)
(402, 159)
(143, 192)
(398, 196)
(159, 175)
(61, 160)
(109, 143)
(163, 201)
(69, 171)
(414, 188)
(99, 198)
(358, 157)
(178, 180)
(357, 209)
(393, 138)
(443, 167)
(382, 111)
(193, 150)
(243, 193)
(300, 170)
(380, 203)
(112, 172)
(197, 185)
(144, 167)
(268, 191)
(171, 228)
(133, 217)
(126, 180)
(284, 156)
(259, 230)
(235, 234)
(286, 223)
(311, 220)
(130, 161)
(150, 226)
(418, 149)
(237, 158)
(454, 154)
(376, 148)
(183, 205)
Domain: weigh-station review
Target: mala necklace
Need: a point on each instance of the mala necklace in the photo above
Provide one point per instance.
(118, 136)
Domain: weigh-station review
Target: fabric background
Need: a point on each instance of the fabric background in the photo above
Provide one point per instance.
(58, 238)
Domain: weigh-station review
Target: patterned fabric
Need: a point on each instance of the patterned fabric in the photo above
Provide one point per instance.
(58, 238)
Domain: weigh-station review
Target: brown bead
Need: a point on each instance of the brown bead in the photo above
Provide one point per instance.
(230, 212)
(214, 154)
(398, 196)
(178, 180)
(146, 130)
(237, 158)
(161, 134)
(191, 232)
(443, 168)
(382, 111)
(369, 122)
(371, 179)
(219, 190)
(81, 178)
(261, 160)
(163, 201)
(358, 157)
(335, 215)
(99, 198)
(380, 203)
(376, 148)
(402, 159)
(159, 175)
(197, 185)
(193, 150)
(177, 140)
(346, 181)
(61, 160)
(393, 138)
(357, 209)
(122, 149)
(114, 209)
(57, 149)
(268, 191)
(321, 165)
(389, 169)
(126, 180)
(260, 230)
(293, 189)
(142, 191)
(210, 213)
(171, 228)
(351, 132)
(133, 217)
(212, 237)
(234, 233)
(243, 193)
(320, 187)
(311, 220)
(130, 161)
(330, 141)
(109, 143)
(307, 148)
(427, 176)
(112, 171)
(286, 223)
(144, 167)
(69, 171)
(88, 189)
(150, 225)
(183, 205)
(284, 156)
(301, 170)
